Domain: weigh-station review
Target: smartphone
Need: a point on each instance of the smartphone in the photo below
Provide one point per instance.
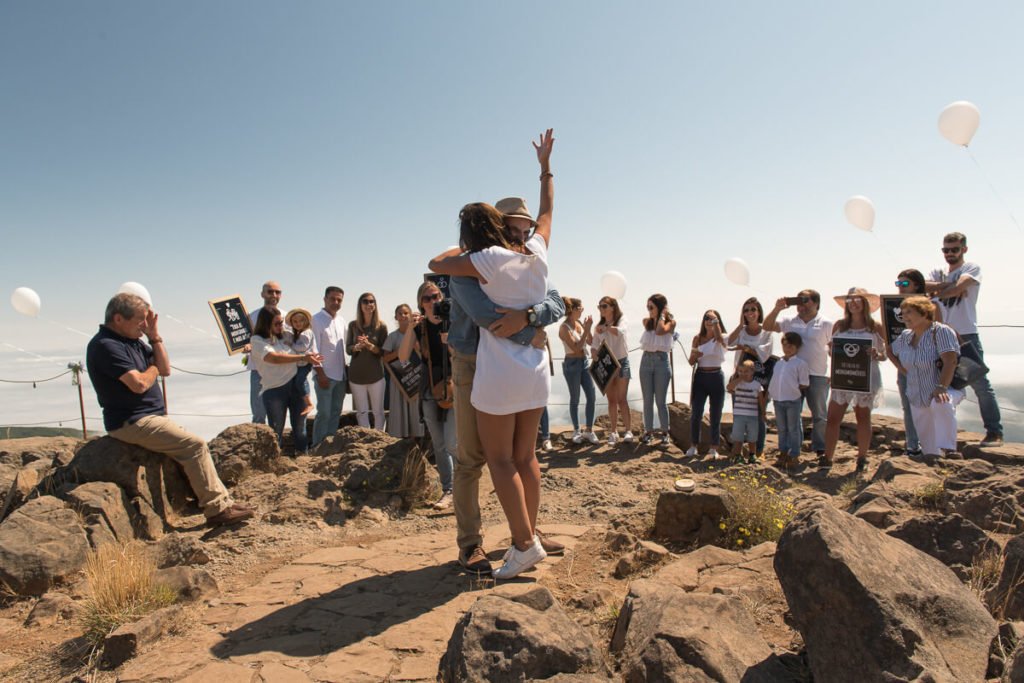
(792, 300)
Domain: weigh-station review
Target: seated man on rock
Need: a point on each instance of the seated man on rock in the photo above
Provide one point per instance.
(124, 372)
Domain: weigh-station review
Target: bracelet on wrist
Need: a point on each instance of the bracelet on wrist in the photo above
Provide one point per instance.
(547, 174)
(156, 340)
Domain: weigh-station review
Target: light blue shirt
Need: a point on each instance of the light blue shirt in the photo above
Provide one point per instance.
(471, 310)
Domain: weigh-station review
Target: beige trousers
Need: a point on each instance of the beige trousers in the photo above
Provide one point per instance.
(469, 459)
(160, 434)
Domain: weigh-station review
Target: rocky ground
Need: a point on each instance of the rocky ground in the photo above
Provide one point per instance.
(910, 571)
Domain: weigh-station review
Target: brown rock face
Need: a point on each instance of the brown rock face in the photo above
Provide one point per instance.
(105, 510)
(41, 543)
(242, 448)
(871, 607)
(692, 516)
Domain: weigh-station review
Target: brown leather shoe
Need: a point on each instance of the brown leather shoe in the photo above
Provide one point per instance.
(232, 515)
(550, 547)
(473, 559)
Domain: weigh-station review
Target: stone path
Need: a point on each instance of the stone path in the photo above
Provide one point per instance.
(374, 612)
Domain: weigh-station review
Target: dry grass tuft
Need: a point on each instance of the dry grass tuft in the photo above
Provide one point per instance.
(931, 496)
(123, 589)
(761, 513)
(415, 485)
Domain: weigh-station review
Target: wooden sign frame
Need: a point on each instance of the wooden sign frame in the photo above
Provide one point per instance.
(235, 330)
(603, 367)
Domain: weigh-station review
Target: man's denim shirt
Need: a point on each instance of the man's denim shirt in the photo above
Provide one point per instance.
(471, 310)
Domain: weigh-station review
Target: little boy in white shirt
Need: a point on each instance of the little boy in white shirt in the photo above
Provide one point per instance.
(790, 379)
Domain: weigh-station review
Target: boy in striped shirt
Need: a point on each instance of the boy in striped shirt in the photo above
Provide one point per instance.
(747, 404)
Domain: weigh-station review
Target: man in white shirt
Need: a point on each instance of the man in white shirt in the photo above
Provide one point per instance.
(957, 287)
(329, 342)
(816, 333)
(271, 295)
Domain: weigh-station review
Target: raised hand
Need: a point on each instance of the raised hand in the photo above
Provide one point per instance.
(547, 141)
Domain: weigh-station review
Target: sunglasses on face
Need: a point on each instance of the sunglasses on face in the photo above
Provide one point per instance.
(273, 291)
(750, 310)
(851, 299)
(431, 297)
(710, 319)
(277, 322)
(903, 283)
(951, 250)
(602, 306)
(368, 302)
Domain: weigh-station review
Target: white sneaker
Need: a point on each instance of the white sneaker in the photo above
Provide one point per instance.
(665, 440)
(628, 437)
(718, 456)
(444, 502)
(613, 438)
(577, 437)
(546, 446)
(518, 561)
(691, 452)
(592, 438)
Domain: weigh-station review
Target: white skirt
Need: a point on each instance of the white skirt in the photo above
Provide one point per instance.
(509, 378)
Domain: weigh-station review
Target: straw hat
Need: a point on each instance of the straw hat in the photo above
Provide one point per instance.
(514, 207)
(874, 302)
(297, 311)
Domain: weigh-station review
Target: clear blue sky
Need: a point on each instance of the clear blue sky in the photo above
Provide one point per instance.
(201, 148)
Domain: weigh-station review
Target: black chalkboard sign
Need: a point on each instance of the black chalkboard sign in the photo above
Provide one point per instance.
(233, 321)
(851, 364)
(441, 281)
(892, 316)
(603, 367)
(407, 376)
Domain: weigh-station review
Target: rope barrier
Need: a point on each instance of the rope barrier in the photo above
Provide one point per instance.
(35, 381)
(209, 374)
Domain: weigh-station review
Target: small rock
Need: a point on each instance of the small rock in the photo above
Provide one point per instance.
(176, 549)
(649, 552)
(620, 540)
(50, 608)
(188, 583)
(373, 516)
(125, 642)
(41, 543)
(689, 517)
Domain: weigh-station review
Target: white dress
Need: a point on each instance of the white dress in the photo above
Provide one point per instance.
(855, 398)
(510, 377)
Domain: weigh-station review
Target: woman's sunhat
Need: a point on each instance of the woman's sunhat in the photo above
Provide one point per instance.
(297, 311)
(874, 302)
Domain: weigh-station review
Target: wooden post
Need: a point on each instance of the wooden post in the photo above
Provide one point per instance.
(76, 368)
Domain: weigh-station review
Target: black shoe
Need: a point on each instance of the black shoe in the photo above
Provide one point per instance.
(913, 452)
(992, 439)
(823, 462)
(473, 559)
(862, 463)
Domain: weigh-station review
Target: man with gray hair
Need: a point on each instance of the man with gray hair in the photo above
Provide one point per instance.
(271, 295)
(124, 371)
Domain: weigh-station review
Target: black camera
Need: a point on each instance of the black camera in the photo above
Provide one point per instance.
(443, 310)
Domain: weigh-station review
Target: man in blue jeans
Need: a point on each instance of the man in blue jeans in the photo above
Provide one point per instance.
(329, 341)
(957, 288)
(271, 295)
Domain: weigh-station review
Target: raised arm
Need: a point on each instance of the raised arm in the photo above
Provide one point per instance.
(770, 323)
(160, 358)
(453, 262)
(547, 186)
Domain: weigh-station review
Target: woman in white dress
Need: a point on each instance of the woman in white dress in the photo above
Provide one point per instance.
(511, 384)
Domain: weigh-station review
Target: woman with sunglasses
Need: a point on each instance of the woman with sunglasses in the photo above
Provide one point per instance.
(364, 342)
(857, 323)
(752, 342)
(611, 330)
(909, 282)
(655, 370)
(576, 338)
(277, 365)
(707, 354)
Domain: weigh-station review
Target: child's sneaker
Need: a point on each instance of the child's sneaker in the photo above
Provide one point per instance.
(613, 438)
(627, 437)
(665, 441)
(647, 438)
(547, 447)
(577, 437)
(691, 452)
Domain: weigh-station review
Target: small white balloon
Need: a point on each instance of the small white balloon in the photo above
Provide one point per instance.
(860, 212)
(26, 301)
(737, 271)
(959, 121)
(136, 289)
(613, 284)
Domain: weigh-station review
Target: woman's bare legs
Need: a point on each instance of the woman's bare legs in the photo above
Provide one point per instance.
(508, 444)
(622, 387)
(863, 430)
(525, 454)
(835, 418)
(613, 403)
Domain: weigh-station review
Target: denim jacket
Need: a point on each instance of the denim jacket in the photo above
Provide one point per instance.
(471, 310)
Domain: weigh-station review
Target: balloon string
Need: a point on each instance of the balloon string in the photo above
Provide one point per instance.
(993, 187)
(69, 329)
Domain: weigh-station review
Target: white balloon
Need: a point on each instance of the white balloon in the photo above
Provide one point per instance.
(860, 212)
(136, 289)
(26, 301)
(613, 284)
(737, 271)
(959, 121)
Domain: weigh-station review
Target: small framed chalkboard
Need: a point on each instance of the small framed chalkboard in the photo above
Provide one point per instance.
(851, 364)
(892, 316)
(440, 280)
(233, 322)
(406, 376)
(603, 367)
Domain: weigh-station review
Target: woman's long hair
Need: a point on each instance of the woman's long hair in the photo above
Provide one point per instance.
(265, 323)
(481, 226)
(423, 289)
(374, 317)
(616, 311)
(916, 278)
(869, 322)
(661, 304)
(721, 327)
(760, 311)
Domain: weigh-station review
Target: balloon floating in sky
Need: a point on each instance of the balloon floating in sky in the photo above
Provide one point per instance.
(26, 301)
(737, 271)
(959, 121)
(860, 212)
(136, 289)
(613, 284)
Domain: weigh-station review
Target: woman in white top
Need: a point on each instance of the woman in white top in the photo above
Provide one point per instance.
(856, 323)
(511, 383)
(611, 330)
(655, 370)
(707, 354)
(276, 364)
(753, 342)
(576, 338)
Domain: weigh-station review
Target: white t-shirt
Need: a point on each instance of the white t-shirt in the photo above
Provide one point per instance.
(652, 341)
(272, 375)
(713, 354)
(617, 343)
(509, 377)
(961, 313)
(762, 343)
(816, 335)
(329, 341)
(745, 397)
(787, 378)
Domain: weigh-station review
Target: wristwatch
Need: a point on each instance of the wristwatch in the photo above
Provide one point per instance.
(941, 387)
(531, 317)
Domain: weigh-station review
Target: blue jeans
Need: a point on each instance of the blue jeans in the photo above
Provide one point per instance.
(544, 428)
(707, 385)
(762, 434)
(985, 393)
(791, 430)
(441, 425)
(328, 408)
(301, 375)
(259, 413)
(817, 402)
(655, 375)
(287, 398)
(577, 376)
(913, 442)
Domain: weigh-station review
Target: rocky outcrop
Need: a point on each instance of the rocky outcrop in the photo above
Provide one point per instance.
(363, 459)
(518, 637)
(694, 516)
(241, 449)
(41, 543)
(1008, 594)
(105, 510)
(952, 540)
(871, 607)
